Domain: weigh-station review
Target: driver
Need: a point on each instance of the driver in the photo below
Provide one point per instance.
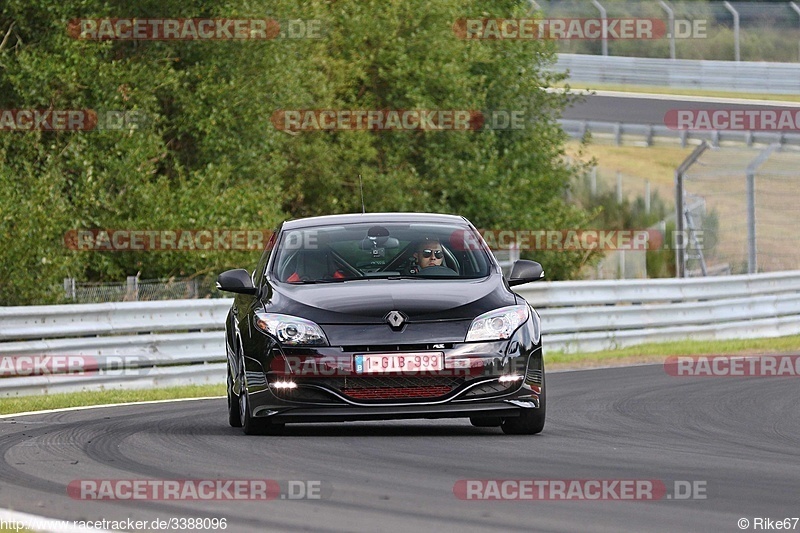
(429, 254)
(429, 259)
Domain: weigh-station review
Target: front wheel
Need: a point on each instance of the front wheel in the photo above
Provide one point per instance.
(249, 425)
(529, 421)
(234, 413)
(252, 425)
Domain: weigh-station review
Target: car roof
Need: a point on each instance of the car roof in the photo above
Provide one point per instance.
(373, 218)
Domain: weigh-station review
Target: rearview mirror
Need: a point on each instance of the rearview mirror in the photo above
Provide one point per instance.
(378, 237)
(525, 271)
(237, 280)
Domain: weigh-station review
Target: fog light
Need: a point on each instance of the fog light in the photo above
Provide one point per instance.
(283, 385)
(509, 377)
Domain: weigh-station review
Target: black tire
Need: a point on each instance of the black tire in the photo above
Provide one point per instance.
(234, 413)
(251, 425)
(529, 421)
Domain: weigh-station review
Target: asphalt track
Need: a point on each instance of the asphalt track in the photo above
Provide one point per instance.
(652, 110)
(740, 437)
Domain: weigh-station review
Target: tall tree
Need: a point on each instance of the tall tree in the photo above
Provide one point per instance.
(209, 156)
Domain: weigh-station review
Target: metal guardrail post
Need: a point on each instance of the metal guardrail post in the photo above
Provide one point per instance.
(69, 289)
(671, 18)
(735, 14)
(680, 252)
(752, 266)
(604, 17)
(132, 289)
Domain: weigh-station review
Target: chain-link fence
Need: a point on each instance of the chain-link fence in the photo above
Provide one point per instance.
(754, 225)
(746, 31)
(625, 202)
(135, 289)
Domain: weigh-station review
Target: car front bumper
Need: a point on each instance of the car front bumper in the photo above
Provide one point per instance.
(325, 388)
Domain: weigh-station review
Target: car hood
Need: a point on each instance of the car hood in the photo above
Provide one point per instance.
(369, 301)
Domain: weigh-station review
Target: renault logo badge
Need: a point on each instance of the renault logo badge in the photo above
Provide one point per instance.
(396, 319)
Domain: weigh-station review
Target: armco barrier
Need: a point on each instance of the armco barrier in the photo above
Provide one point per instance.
(744, 76)
(182, 342)
(599, 315)
(620, 133)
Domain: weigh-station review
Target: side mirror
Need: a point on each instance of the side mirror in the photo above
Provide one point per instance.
(525, 271)
(237, 280)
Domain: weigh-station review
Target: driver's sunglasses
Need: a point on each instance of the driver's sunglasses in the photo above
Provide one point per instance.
(438, 254)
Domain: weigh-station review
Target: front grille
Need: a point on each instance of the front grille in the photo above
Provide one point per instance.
(391, 387)
(387, 393)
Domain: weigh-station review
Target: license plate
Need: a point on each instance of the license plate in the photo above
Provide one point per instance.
(398, 363)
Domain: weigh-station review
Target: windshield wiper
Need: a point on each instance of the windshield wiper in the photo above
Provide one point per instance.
(392, 277)
(313, 281)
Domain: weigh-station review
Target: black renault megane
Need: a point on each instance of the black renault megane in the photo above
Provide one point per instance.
(382, 316)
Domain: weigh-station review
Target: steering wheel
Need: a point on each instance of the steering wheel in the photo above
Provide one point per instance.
(437, 270)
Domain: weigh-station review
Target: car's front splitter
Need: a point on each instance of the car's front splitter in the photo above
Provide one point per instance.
(505, 409)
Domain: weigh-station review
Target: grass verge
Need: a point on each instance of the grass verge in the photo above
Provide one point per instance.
(644, 353)
(654, 163)
(655, 353)
(683, 92)
(22, 404)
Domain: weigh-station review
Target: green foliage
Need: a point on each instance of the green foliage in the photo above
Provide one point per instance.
(630, 215)
(209, 157)
(661, 263)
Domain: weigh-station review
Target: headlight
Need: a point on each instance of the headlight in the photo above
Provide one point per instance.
(291, 330)
(498, 324)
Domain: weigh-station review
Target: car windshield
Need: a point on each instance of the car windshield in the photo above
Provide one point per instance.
(326, 254)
